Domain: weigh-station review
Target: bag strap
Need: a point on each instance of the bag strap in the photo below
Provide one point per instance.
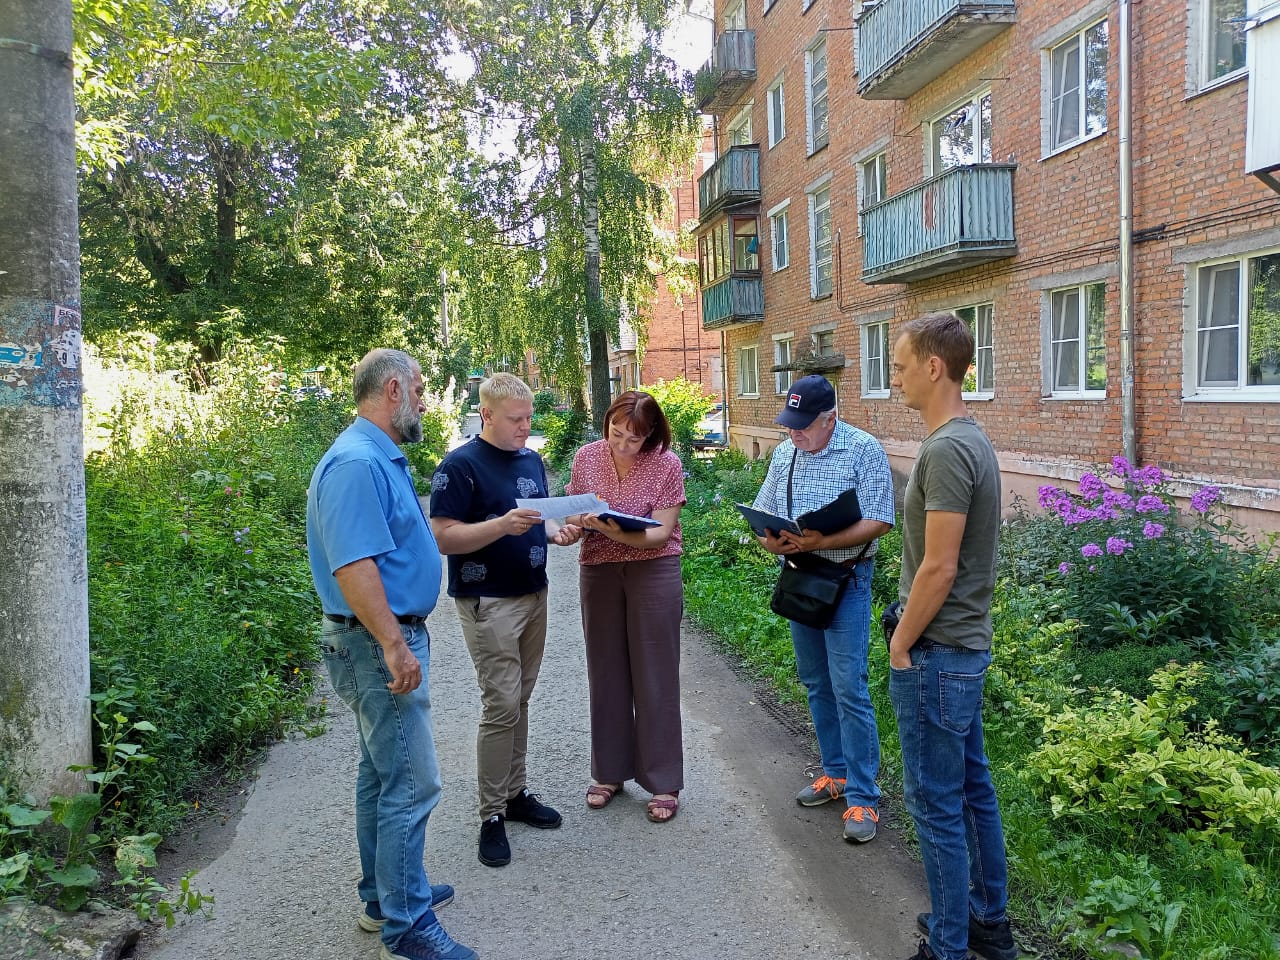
(790, 474)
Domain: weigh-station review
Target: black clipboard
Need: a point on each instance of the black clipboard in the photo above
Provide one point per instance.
(844, 511)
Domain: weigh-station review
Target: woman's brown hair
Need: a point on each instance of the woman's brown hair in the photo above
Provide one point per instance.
(643, 416)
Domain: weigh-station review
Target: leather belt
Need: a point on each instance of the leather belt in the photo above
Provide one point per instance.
(354, 622)
(854, 561)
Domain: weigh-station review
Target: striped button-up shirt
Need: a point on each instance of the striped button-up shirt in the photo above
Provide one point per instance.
(853, 459)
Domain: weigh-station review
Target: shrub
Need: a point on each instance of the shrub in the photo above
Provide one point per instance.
(684, 403)
(564, 433)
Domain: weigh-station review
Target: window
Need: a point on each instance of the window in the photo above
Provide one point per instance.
(962, 136)
(1237, 336)
(1078, 350)
(777, 114)
(815, 72)
(824, 343)
(980, 380)
(746, 245)
(735, 16)
(779, 236)
(1078, 87)
(1222, 39)
(872, 181)
(748, 381)
(738, 132)
(875, 359)
(781, 358)
(820, 243)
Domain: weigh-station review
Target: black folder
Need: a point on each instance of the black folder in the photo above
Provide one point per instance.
(844, 511)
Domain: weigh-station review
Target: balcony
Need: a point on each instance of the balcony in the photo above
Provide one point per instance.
(733, 179)
(722, 80)
(958, 219)
(905, 44)
(732, 301)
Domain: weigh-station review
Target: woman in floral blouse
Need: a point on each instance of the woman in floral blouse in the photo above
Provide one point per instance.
(632, 602)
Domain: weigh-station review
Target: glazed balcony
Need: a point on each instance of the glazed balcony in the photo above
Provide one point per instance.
(723, 79)
(958, 219)
(733, 301)
(905, 44)
(734, 178)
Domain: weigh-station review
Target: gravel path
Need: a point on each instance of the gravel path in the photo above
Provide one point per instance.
(743, 873)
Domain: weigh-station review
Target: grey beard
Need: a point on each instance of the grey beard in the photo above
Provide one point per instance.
(408, 423)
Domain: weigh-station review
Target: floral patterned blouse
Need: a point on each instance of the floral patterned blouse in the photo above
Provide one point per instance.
(654, 482)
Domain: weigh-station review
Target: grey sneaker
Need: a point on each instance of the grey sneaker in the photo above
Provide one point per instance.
(371, 919)
(823, 790)
(431, 943)
(860, 824)
(992, 941)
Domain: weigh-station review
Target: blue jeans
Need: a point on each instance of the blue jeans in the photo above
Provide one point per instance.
(947, 781)
(398, 781)
(832, 665)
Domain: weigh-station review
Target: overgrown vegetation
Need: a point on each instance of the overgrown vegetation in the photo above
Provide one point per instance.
(1136, 818)
(202, 611)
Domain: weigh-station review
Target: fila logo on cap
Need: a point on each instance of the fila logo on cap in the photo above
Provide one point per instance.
(794, 400)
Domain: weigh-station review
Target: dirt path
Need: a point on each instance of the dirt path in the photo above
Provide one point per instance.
(742, 874)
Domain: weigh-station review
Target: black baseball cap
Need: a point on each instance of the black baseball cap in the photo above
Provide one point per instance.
(808, 397)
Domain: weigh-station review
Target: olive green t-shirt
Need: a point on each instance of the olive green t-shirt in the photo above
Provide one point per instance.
(956, 471)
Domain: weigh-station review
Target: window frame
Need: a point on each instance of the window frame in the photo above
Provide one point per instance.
(776, 215)
(741, 121)
(735, 10)
(1084, 293)
(973, 314)
(776, 130)
(985, 147)
(1202, 45)
(1194, 388)
(754, 367)
(877, 331)
(1053, 96)
(816, 140)
(782, 379)
(817, 260)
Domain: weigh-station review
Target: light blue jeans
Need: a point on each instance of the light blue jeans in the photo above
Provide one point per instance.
(832, 665)
(398, 781)
(947, 781)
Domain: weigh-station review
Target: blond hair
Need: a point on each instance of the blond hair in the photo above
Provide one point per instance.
(501, 387)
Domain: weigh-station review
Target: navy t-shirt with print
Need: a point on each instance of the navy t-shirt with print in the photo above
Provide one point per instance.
(477, 482)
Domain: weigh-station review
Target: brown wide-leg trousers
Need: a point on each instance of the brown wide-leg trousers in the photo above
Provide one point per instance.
(631, 619)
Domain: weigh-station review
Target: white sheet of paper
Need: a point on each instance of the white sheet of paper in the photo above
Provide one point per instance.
(557, 508)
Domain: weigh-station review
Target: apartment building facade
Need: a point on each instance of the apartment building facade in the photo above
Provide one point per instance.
(1122, 276)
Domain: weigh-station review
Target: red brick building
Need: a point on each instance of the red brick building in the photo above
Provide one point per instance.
(677, 345)
(879, 161)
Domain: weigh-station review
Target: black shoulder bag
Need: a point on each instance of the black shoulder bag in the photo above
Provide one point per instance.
(810, 587)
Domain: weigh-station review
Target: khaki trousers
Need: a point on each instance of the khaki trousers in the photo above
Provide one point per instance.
(506, 637)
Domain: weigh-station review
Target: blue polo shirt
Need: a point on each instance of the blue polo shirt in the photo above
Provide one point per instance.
(361, 503)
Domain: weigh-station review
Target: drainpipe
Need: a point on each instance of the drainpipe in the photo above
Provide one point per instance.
(724, 391)
(1129, 415)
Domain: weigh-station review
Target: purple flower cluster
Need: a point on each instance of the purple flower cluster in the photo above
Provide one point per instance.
(1090, 550)
(1091, 486)
(1150, 503)
(1152, 530)
(1204, 498)
(1116, 546)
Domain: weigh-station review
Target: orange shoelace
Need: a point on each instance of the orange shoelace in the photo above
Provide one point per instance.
(861, 813)
(830, 784)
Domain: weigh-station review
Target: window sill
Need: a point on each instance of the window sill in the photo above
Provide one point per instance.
(1068, 147)
(979, 397)
(748, 396)
(1259, 394)
(778, 141)
(1218, 84)
(815, 297)
(814, 151)
(781, 268)
(1077, 395)
(876, 395)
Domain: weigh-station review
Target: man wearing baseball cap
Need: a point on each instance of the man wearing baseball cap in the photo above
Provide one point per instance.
(821, 458)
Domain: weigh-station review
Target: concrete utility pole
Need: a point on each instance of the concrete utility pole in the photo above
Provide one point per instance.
(44, 604)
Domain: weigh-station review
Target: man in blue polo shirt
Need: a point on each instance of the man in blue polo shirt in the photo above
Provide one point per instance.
(376, 568)
(820, 459)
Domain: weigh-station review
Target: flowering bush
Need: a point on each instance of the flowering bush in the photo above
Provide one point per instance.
(1133, 549)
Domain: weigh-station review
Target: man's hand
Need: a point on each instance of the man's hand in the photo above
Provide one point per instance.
(406, 671)
(776, 544)
(517, 522)
(806, 541)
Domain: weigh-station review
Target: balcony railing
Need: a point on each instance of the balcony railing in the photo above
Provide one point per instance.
(961, 217)
(732, 301)
(734, 178)
(724, 78)
(904, 44)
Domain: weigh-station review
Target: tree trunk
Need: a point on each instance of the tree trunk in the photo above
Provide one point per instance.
(597, 333)
(44, 607)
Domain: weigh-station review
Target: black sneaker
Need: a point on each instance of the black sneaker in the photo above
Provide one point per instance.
(992, 941)
(923, 952)
(524, 807)
(494, 849)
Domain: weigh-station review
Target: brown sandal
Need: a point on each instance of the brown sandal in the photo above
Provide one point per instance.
(605, 791)
(671, 803)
